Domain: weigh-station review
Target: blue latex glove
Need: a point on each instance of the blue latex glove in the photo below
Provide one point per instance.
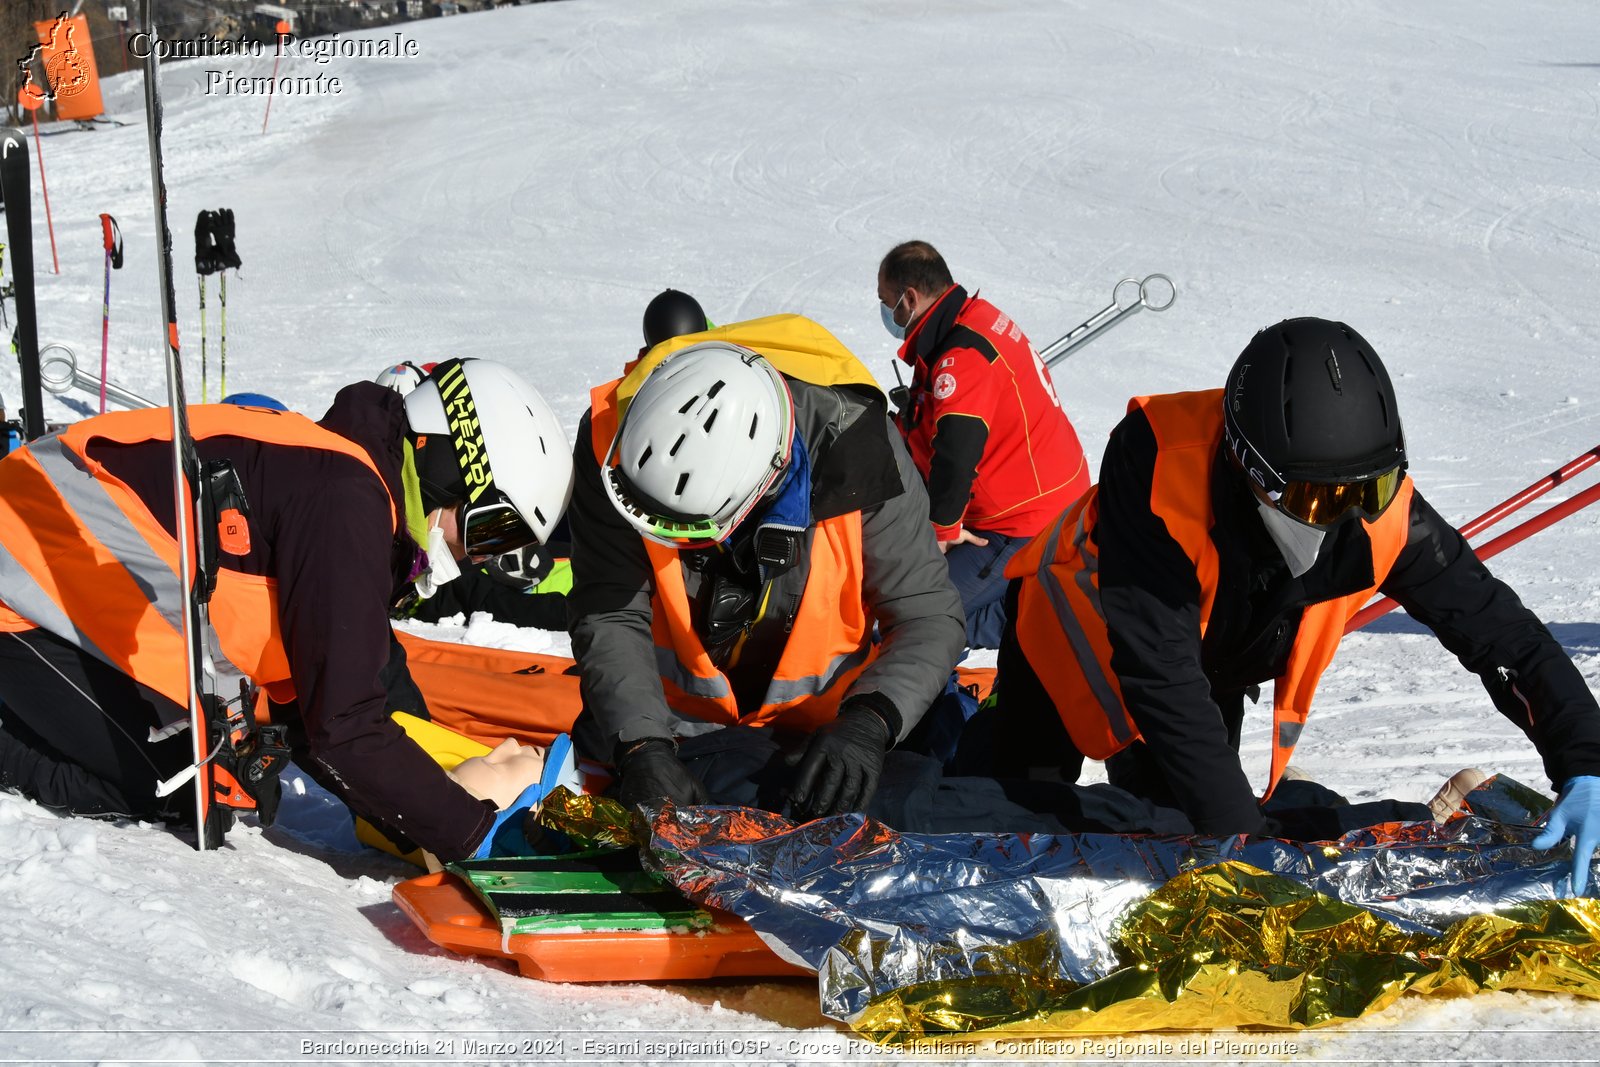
(1576, 815)
(506, 837)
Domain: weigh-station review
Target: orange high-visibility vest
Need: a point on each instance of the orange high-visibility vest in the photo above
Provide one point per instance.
(82, 557)
(828, 647)
(1062, 630)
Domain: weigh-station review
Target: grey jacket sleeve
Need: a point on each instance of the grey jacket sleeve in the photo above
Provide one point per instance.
(908, 591)
(608, 612)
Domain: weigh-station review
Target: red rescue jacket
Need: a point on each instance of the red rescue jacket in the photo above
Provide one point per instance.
(984, 424)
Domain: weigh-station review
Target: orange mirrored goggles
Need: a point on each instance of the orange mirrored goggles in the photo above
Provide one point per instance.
(1324, 503)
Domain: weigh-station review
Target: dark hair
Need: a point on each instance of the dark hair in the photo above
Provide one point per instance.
(916, 265)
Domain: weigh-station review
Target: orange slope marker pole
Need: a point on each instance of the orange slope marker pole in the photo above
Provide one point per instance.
(283, 31)
(31, 102)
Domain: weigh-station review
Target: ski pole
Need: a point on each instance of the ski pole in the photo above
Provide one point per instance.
(113, 242)
(1127, 296)
(1517, 534)
(203, 339)
(222, 337)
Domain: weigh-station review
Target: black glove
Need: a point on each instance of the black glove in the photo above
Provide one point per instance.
(839, 770)
(651, 772)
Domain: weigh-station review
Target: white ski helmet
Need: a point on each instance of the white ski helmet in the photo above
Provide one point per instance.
(515, 458)
(705, 437)
(404, 376)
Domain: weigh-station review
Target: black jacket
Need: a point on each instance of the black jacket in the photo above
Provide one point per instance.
(1185, 694)
(320, 526)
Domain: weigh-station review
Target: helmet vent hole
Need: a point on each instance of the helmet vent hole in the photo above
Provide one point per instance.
(715, 388)
(1288, 419)
(755, 421)
(711, 418)
(687, 404)
(538, 515)
(683, 481)
(1367, 360)
(673, 451)
(644, 457)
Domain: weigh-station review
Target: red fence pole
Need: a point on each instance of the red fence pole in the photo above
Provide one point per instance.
(1517, 534)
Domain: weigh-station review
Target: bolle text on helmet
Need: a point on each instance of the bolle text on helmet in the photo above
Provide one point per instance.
(1238, 387)
(466, 432)
(1245, 458)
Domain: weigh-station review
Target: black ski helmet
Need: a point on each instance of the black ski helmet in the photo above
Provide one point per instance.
(1309, 400)
(672, 314)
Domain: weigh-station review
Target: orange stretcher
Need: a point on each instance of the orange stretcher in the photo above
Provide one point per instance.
(488, 695)
(451, 917)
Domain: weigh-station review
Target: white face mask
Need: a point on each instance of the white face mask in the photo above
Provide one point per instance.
(1298, 542)
(897, 331)
(442, 566)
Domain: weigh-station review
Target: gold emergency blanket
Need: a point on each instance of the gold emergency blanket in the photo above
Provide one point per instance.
(922, 935)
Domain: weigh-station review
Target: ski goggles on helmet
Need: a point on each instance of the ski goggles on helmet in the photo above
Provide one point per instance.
(1324, 503)
(1315, 503)
(493, 528)
(490, 523)
(676, 532)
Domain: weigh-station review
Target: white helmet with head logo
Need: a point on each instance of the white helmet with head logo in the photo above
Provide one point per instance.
(512, 456)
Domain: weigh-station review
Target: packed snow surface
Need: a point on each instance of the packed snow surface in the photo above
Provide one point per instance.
(521, 184)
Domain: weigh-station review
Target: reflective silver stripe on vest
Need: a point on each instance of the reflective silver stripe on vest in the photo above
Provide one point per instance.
(23, 595)
(1088, 662)
(1289, 734)
(781, 691)
(668, 667)
(107, 524)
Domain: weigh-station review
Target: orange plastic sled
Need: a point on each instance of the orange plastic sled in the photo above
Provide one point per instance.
(446, 911)
(490, 694)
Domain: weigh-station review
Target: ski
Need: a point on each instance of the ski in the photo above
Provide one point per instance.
(15, 191)
(188, 504)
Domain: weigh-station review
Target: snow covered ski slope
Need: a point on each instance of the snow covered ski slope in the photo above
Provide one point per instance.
(522, 184)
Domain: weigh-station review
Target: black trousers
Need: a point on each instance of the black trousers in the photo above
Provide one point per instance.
(1021, 729)
(754, 767)
(74, 733)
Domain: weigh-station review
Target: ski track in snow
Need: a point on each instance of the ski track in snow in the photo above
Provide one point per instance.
(1425, 173)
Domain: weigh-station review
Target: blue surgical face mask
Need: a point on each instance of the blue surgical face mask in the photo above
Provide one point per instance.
(897, 331)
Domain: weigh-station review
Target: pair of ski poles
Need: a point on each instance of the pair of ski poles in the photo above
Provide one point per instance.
(1517, 534)
(222, 340)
